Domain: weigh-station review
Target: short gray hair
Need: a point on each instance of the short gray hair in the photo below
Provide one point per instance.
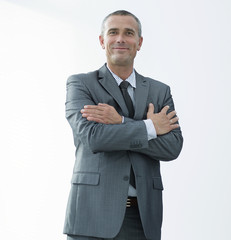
(121, 13)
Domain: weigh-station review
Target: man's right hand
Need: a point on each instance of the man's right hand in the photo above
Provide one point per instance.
(101, 113)
(162, 121)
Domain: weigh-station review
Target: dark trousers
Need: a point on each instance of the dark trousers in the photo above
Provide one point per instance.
(131, 228)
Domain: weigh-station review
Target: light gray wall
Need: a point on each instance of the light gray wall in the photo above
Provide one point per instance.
(186, 45)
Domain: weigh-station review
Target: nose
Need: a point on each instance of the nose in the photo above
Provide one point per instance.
(120, 38)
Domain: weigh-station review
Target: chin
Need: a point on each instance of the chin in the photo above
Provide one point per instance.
(121, 61)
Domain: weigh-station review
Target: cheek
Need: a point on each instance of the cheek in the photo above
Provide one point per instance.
(136, 47)
(109, 46)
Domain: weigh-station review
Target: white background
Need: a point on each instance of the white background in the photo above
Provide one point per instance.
(187, 44)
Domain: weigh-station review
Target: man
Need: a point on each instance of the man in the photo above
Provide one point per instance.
(123, 125)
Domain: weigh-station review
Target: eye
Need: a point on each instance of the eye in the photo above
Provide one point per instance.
(130, 33)
(112, 32)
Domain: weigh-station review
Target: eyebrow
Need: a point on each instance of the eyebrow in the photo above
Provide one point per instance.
(127, 29)
(130, 29)
(112, 29)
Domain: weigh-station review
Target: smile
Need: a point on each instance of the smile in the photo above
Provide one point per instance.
(120, 48)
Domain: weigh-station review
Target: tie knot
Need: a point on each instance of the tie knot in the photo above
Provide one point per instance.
(124, 85)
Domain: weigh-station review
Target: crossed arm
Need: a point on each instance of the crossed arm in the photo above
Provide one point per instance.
(104, 113)
(99, 126)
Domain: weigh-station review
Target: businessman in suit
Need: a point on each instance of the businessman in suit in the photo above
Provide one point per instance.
(123, 125)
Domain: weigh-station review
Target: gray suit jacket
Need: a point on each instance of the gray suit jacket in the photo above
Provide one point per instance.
(104, 154)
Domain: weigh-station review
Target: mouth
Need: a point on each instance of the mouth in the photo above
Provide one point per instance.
(120, 48)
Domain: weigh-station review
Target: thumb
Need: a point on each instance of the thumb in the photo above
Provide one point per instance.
(165, 109)
(151, 108)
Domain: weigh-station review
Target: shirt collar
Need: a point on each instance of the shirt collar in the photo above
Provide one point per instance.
(131, 79)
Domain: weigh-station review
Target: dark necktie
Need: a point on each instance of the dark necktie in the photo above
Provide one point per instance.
(124, 86)
(124, 89)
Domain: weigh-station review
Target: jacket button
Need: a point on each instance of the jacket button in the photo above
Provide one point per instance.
(126, 178)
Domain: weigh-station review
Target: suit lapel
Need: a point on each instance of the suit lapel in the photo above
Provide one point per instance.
(141, 95)
(141, 92)
(110, 85)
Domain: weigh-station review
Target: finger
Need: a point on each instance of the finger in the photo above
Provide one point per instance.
(174, 126)
(164, 109)
(90, 111)
(89, 106)
(103, 104)
(174, 120)
(171, 114)
(94, 114)
(151, 108)
(93, 107)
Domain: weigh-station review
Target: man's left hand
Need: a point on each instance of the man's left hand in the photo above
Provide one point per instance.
(101, 113)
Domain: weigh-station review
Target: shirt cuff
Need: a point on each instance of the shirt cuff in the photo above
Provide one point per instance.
(122, 119)
(151, 131)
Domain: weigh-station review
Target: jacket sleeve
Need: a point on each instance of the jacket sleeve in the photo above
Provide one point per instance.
(165, 147)
(96, 136)
(131, 135)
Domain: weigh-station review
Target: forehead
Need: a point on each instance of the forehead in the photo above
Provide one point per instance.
(121, 22)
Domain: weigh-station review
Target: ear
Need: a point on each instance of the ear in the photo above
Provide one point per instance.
(101, 40)
(140, 43)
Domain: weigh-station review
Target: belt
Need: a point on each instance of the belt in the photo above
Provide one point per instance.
(131, 202)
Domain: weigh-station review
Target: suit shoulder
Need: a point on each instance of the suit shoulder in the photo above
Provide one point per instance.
(155, 83)
(82, 77)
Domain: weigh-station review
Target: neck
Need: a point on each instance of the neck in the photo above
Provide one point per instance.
(121, 71)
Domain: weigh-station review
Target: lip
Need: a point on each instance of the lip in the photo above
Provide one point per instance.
(120, 48)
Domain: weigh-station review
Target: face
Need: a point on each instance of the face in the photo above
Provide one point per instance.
(121, 40)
